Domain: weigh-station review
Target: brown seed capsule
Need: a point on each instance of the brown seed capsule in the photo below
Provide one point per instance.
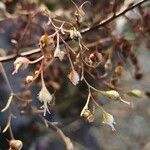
(88, 115)
(15, 144)
(96, 57)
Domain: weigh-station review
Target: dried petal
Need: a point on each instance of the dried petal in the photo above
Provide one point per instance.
(74, 77)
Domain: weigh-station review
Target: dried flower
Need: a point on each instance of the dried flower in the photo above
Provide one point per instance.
(20, 63)
(95, 58)
(45, 97)
(109, 119)
(15, 144)
(74, 77)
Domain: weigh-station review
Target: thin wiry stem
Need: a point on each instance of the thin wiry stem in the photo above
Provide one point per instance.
(114, 17)
(103, 23)
(6, 78)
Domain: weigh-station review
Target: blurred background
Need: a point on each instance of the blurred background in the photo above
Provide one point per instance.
(132, 128)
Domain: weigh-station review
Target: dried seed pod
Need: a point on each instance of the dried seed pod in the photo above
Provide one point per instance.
(135, 93)
(88, 115)
(95, 57)
(114, 95)
(74, 77)
(109, 119)
(15, 144)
